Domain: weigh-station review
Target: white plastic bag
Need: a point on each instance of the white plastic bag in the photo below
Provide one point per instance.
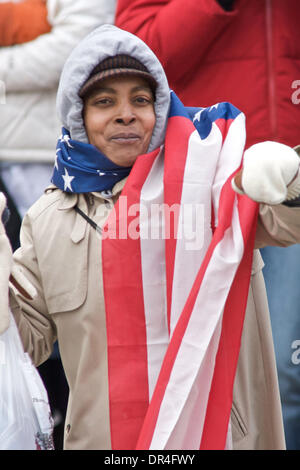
(25, 417)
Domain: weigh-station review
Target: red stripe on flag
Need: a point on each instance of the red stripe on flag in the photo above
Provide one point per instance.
(123, 293)
(224, 125)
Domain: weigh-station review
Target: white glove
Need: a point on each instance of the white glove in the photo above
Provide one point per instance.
(9, 273)
(270, 173)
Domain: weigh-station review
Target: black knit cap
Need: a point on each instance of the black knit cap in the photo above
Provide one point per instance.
(117, 65)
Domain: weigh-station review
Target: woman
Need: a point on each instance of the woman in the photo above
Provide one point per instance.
(113, 295)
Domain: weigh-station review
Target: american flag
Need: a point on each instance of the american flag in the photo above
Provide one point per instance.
(175, 304)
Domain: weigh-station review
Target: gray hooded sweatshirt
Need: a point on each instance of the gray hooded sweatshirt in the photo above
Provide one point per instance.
(103, 42)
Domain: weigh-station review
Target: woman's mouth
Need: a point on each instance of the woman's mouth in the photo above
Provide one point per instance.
(125, 138)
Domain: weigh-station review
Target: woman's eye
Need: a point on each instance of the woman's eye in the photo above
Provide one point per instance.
(143, 100)
(103, 101)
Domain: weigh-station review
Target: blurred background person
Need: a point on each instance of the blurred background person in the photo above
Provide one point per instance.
(30, 73)
(22, 22)
(36, 37)
(247, 53)
(19, 23)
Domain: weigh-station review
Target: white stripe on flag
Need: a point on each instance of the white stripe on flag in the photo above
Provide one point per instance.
(196, 192)
(153, 270)
(188, 429)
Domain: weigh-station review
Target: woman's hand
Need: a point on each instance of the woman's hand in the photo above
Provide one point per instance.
(9, 273)
(270, 173)
(5, 268)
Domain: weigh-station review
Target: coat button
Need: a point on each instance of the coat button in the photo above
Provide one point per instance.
(68, 428)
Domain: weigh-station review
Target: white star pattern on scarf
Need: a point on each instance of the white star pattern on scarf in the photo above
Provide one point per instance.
(65, 138)
(102, 173)
(67, 180)
(56, 156)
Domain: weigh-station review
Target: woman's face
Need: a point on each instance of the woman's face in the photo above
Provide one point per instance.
(119, 118)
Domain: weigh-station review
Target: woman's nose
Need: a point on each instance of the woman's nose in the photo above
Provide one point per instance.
(125, 114)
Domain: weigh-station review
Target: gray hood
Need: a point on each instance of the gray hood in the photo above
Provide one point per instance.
(105, 41)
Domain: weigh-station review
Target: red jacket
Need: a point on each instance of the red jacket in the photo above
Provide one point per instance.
(249, 57)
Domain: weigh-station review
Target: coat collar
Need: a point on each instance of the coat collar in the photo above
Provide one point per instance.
(69, 201)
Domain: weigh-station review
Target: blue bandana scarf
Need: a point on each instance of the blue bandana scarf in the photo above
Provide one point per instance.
(82, 168)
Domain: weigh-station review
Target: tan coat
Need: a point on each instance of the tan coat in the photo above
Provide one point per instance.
(60, 255)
